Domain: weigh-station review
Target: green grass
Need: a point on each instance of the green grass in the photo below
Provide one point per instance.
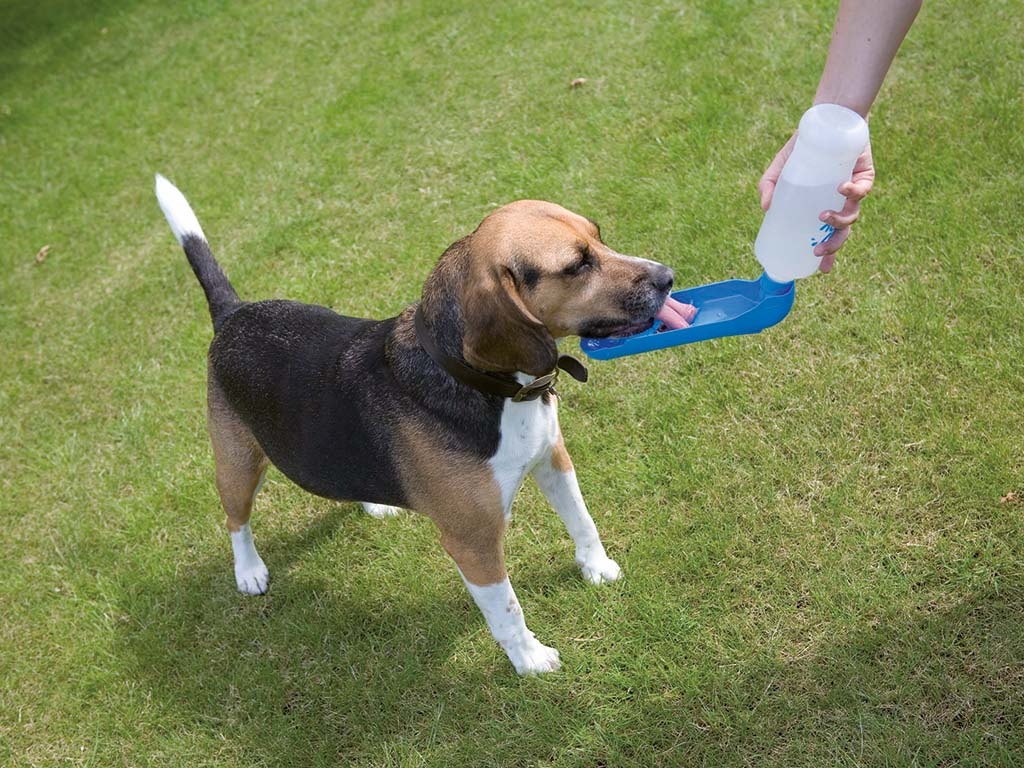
(818, 566)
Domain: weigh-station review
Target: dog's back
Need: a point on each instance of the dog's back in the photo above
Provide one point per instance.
(297, 375)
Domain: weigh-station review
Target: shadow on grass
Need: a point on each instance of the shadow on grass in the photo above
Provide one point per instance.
(939, 686)
(23, 23)
(312, 673)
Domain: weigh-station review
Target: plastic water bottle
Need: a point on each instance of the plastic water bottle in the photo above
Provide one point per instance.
(828, 144)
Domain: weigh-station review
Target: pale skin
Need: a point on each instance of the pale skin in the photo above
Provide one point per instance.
(865, 39)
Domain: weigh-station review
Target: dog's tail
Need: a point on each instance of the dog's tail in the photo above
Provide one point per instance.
(220, 295)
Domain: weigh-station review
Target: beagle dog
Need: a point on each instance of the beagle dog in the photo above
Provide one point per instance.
(443, 409)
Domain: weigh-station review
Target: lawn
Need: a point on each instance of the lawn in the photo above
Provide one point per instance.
(821, 527)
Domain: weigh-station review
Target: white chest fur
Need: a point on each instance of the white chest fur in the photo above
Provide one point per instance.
(528, 431)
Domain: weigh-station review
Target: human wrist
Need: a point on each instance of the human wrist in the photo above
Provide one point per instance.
(859, 103)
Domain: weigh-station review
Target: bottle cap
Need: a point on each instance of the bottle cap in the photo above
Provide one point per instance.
(834, 131)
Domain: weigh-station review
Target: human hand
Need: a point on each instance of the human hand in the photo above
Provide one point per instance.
(854, 190)
(674, 314)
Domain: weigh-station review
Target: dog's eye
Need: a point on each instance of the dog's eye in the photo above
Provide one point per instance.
(582, 264)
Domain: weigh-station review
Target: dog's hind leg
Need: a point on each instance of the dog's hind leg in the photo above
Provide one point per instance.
(241, 465)
(556, 478)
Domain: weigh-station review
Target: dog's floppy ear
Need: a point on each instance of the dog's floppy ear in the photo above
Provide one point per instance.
(499, 332)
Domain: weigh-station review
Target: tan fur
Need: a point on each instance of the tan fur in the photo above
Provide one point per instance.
(461, 497)
(501, 333)
(548, 237)
(240, 462)
(511, 323)
(560, 459)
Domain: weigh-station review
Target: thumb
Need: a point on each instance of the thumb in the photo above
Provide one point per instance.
(766, 188)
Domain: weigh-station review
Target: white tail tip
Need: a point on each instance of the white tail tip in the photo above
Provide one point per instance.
(179, 213)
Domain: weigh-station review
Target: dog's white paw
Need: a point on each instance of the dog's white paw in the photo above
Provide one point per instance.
(531, 657)
(380, 511)
(253, 579)
(599, 569)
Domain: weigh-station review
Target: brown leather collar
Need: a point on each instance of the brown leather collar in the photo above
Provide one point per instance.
(490, 384)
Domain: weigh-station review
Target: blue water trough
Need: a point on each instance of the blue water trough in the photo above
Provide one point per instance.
(729, 308)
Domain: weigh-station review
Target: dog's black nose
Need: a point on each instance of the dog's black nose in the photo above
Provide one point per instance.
(662, 277)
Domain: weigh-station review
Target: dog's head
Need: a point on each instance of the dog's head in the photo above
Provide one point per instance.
(535, 272)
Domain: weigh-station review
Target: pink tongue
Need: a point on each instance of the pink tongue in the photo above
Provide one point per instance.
(671, 318)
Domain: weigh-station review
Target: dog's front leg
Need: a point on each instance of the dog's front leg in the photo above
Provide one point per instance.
(556, 478)
(477, 551)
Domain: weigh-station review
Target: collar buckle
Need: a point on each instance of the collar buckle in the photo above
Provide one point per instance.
(537, 387)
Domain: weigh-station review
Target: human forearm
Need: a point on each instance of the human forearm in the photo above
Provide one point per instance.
(865, 39)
